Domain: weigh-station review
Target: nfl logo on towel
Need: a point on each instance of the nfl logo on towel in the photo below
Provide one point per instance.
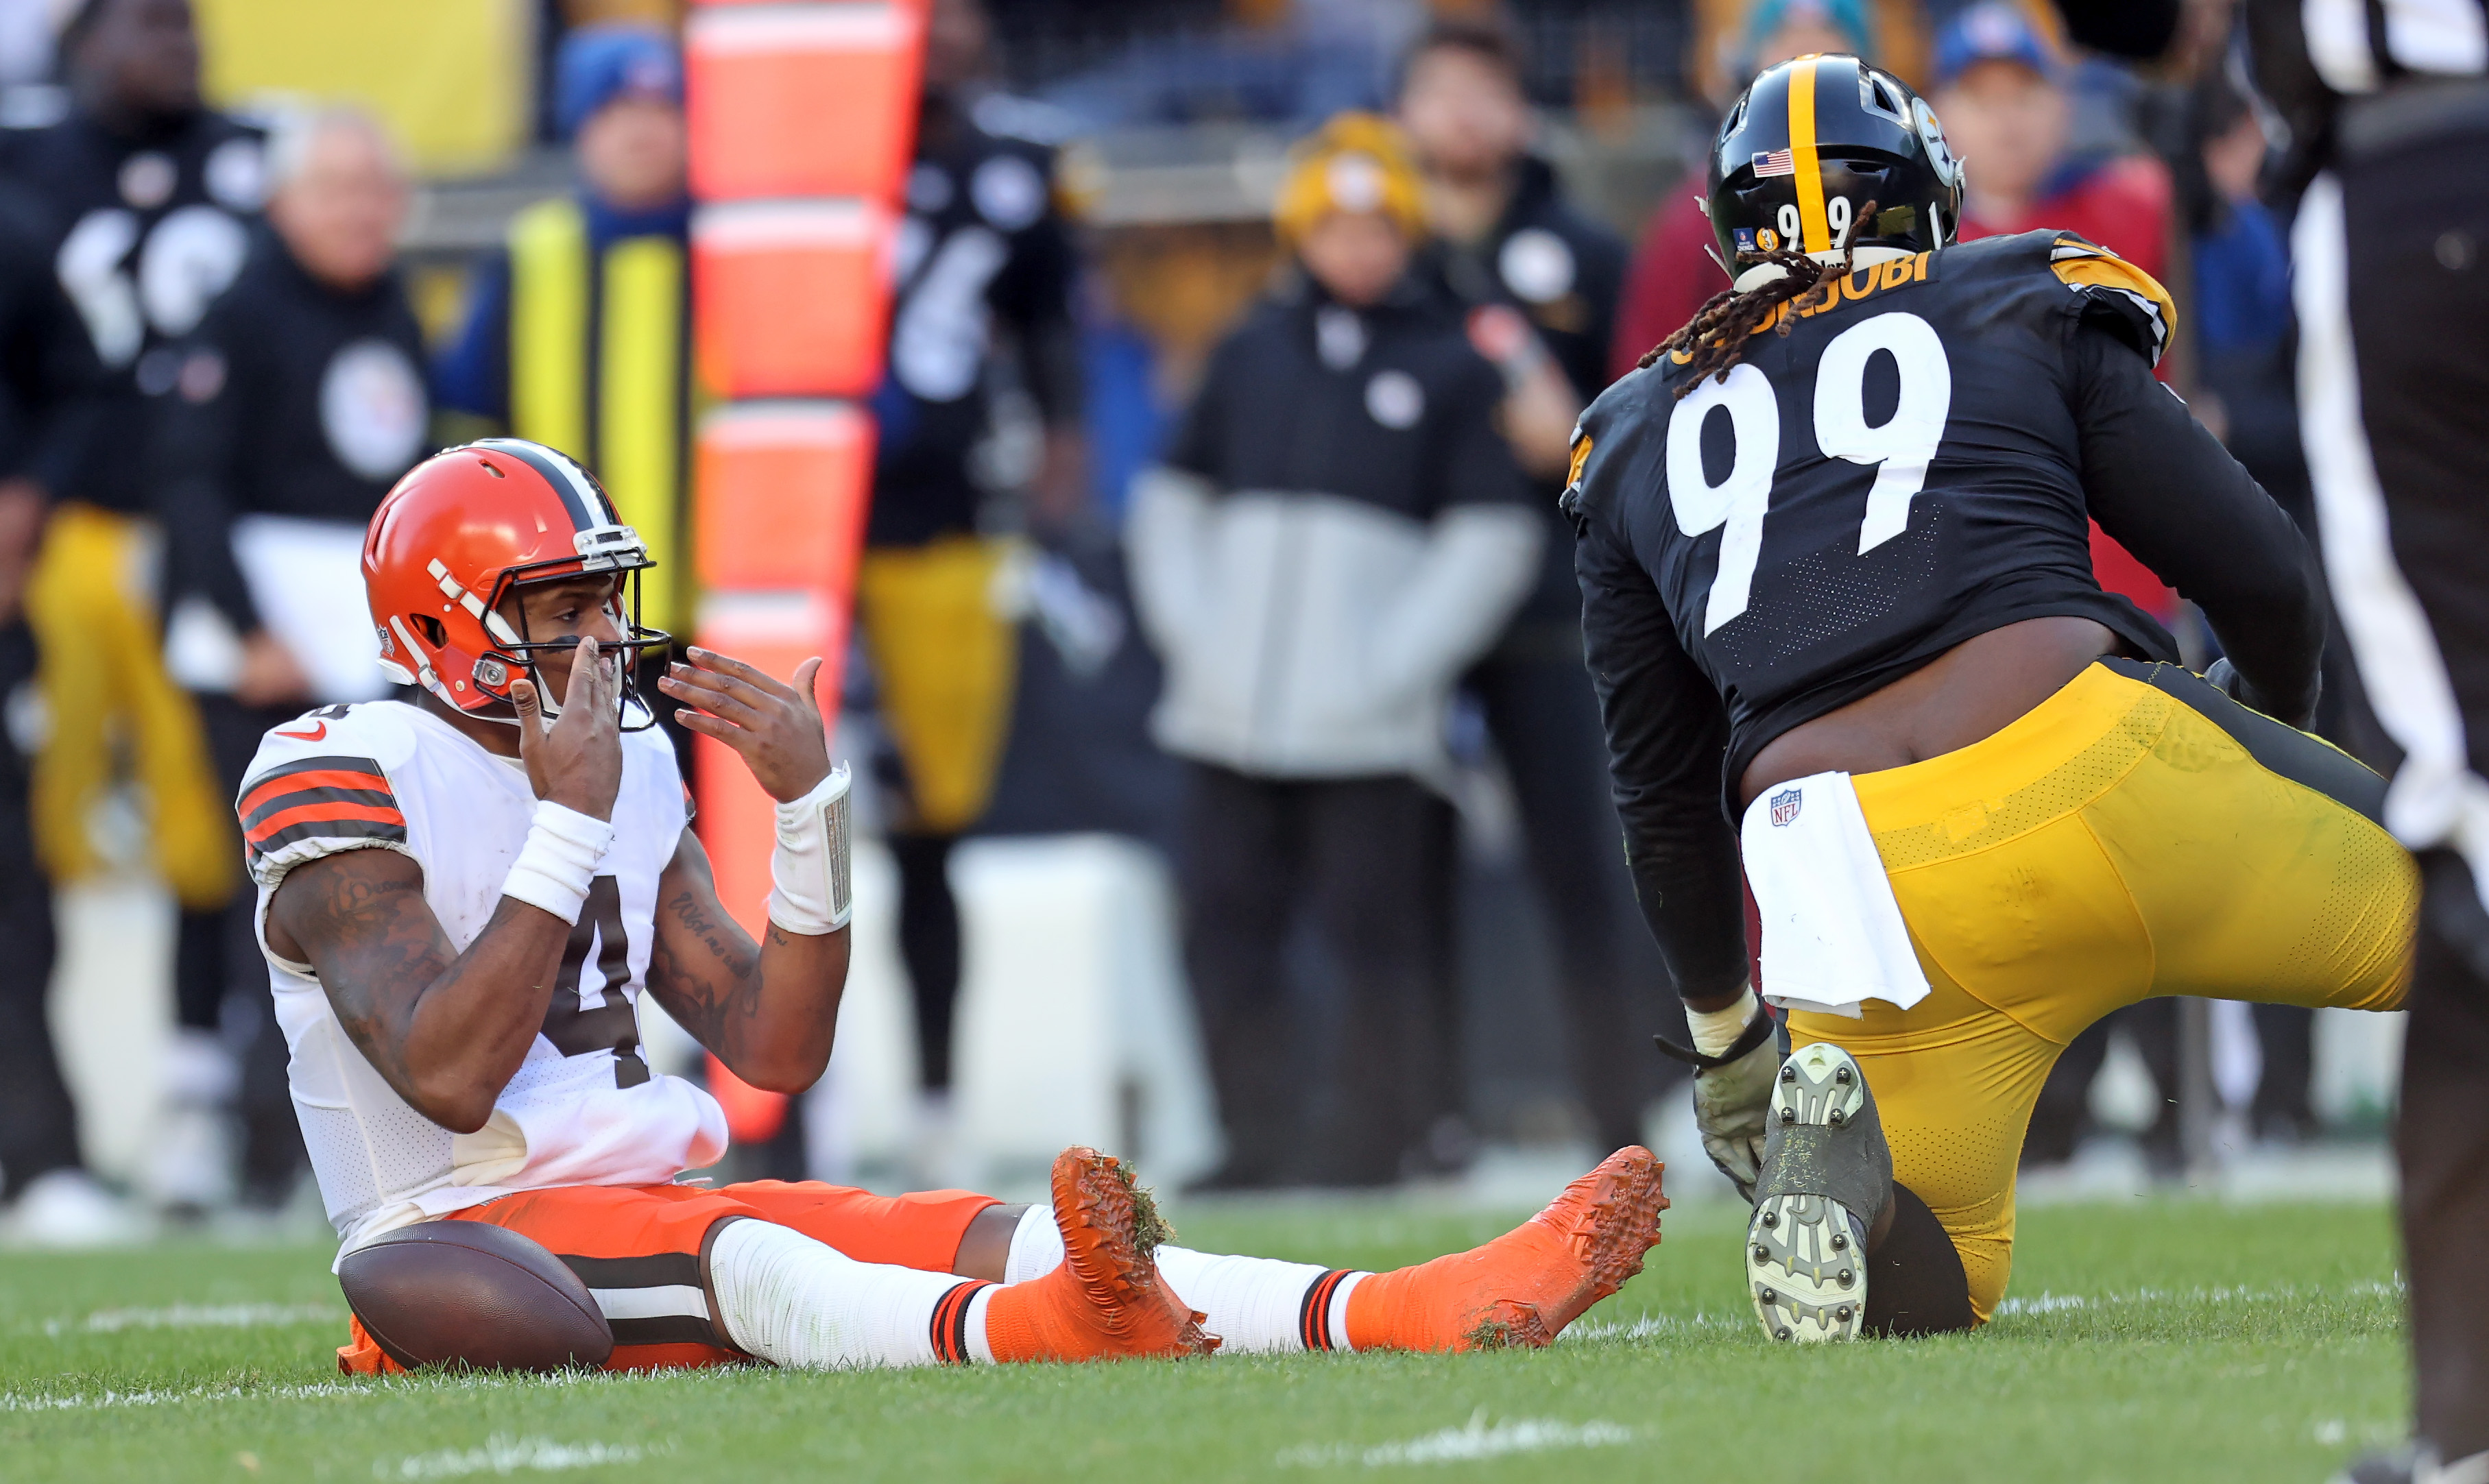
(1786, 805)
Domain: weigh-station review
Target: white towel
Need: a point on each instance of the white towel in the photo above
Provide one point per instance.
(1833, 934)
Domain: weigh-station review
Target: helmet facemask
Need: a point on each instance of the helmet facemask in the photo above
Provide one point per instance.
(517, 649)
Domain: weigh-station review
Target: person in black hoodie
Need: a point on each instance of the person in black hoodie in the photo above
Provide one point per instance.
(46, 403)
(1336, 533)
(294, 406)
(1539, 282)
(150, 197)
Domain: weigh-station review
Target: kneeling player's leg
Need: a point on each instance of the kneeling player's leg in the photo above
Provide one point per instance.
(1522, 1288)
(2256, 860)
(1953, 1082)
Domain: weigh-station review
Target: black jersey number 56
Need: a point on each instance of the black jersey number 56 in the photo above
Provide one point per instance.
(1901, 446)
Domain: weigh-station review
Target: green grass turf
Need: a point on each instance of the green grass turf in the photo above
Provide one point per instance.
(2146, 1340)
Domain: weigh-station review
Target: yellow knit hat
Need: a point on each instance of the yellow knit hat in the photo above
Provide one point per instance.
(1357, 162)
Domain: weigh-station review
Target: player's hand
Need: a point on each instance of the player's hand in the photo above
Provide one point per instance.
(271, 676)
(1730, 1107)
(576, 761)
(775, 726)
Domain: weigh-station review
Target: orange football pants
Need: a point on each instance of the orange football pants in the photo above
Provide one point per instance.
(643, 1250)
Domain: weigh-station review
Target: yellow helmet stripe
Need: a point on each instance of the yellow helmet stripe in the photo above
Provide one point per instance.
(1812, 224)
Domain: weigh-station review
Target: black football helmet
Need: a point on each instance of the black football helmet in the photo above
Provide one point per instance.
(1811, 143)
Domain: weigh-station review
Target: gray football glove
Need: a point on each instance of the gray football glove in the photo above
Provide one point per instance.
(1732, 1091)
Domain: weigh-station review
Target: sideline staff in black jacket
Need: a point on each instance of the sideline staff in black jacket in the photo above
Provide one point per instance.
(1337, 532)
(297, 403)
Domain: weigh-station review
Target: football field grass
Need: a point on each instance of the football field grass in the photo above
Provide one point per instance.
(2147, 1339)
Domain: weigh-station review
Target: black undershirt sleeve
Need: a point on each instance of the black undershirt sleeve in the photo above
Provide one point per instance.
(1667, 737)
(2165, 487)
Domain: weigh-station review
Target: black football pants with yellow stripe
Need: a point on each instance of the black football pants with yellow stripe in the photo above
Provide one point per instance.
(2137, 834)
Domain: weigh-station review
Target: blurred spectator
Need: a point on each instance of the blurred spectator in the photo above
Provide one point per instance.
(981, 322)
(298, 402)
(47, 372)
(579, 332)
(1539, 281)
(1999, 89)
(154, 193)
(1337, 533)
(1673, 271)
(2006, 116)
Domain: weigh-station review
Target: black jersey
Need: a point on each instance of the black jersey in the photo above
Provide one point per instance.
(1908, 467)
(1899, 473)
(152, 226)
(985, 265)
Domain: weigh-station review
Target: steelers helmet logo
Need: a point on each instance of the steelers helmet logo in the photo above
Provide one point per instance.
(1940, 156)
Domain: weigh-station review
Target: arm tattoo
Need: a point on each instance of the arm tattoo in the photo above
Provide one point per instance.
(703, 970)
(361, 920)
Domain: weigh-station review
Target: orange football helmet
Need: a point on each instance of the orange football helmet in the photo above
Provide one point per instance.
(459, 533)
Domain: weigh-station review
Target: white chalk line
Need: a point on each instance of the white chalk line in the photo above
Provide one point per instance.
(1469, 1443)
(2060, 1303)
(199, 1316)
(321, 1390)
(505, 1454)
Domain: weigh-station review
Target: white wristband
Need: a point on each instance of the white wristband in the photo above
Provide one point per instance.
(555, 869)
(1717, 1030)
(810, 890)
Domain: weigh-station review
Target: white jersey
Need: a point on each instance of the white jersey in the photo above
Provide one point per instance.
(584, 1108)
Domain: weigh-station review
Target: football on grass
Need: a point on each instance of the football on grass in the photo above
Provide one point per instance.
(472, 1294)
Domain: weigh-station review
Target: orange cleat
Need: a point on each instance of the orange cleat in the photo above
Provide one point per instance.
(1522, 1288)
(1106, 1301)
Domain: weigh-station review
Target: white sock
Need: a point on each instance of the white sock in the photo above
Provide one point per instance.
(1037, 1245)
(1256, 1305)
(795, 1302)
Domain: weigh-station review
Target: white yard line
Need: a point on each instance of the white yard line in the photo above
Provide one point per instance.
(1467, 1443)
(2058, 1303)
(199, 1316)
(391, 1387)
(503, 1454)
(149, 1397)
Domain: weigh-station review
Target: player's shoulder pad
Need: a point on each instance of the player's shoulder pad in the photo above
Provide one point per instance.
(2124, 296)
(320, 784)
(1616, 420)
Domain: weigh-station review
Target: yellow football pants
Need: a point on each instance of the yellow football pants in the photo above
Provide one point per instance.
(944, 663)
(103, 682)
(2137, 834)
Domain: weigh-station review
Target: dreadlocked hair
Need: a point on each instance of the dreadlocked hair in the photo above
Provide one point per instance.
(1715, 339)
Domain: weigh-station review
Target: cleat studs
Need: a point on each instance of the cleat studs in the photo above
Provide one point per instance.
(1781, 1334)
(1842, 1313)
(1788, 1115)
(1763, 1254)
(1789, 1074)
(1841, 1075)
(1839, 1118)
(1840, 1242)
(1768, 1297)
(1771, 1218)
(1845, 1277)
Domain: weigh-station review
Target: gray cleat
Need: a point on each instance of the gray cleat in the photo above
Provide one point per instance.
(1827, 1175)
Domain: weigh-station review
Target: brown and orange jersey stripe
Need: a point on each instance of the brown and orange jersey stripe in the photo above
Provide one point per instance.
(318, 798)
